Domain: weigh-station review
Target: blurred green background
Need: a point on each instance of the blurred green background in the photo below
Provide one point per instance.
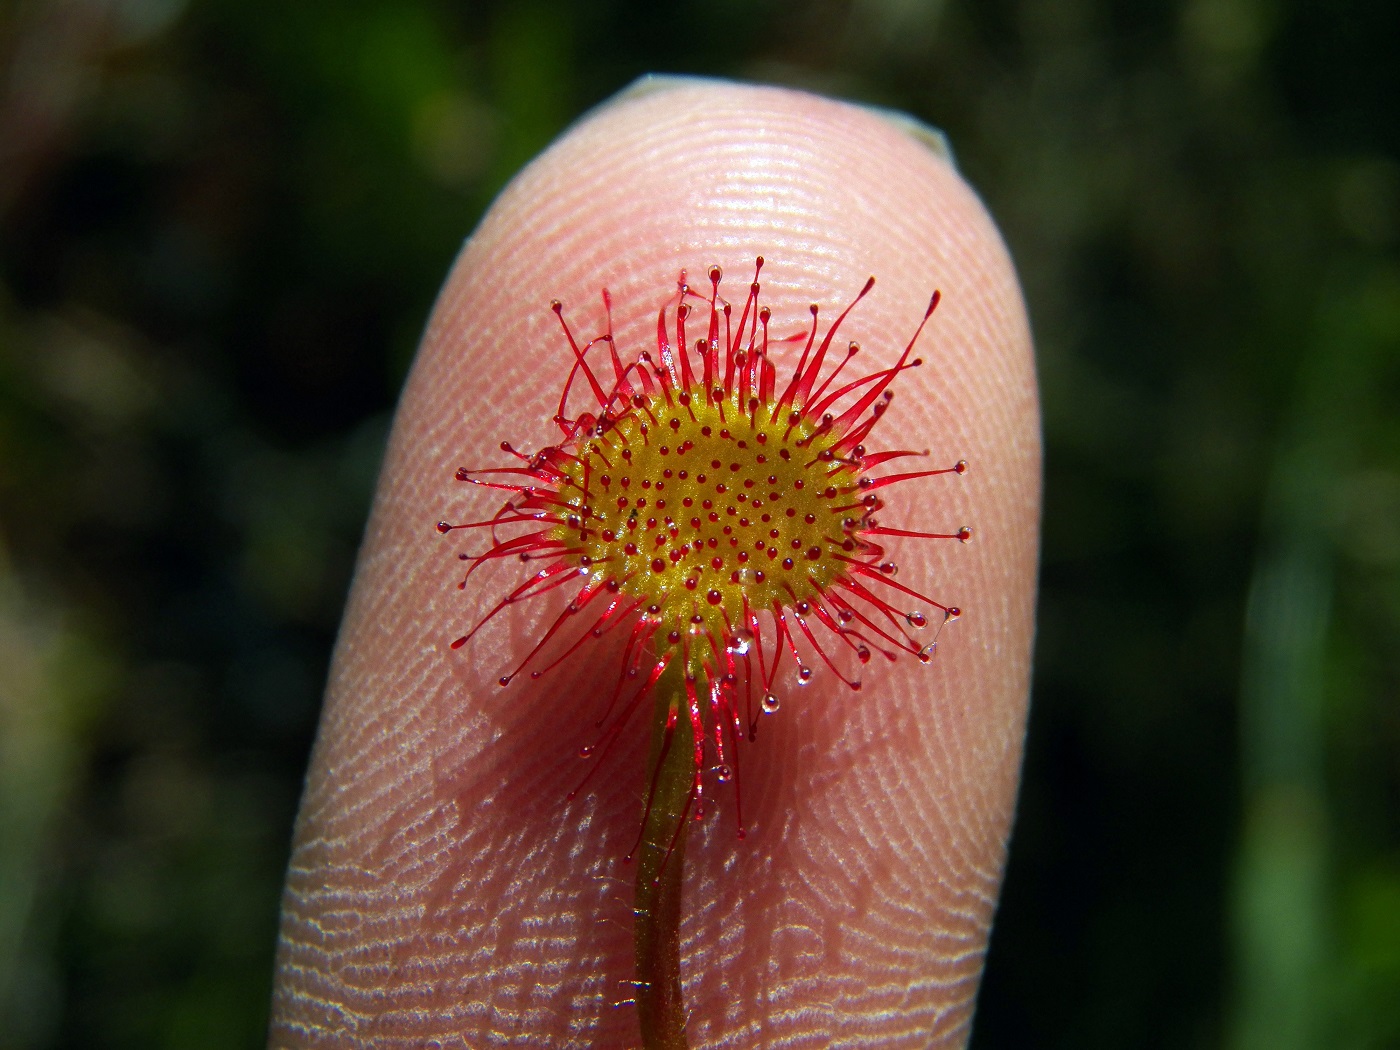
(222, 224)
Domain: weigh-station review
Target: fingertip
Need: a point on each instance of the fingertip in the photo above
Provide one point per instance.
(861, 900)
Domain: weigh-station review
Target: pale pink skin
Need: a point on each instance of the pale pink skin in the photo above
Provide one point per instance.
(443, 891)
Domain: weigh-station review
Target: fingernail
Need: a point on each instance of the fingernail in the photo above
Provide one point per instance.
(921, 132)
(646, 84)
(649, 84)
(655, 83)
(925, 134)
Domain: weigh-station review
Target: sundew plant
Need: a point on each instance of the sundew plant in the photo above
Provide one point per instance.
(727, 527)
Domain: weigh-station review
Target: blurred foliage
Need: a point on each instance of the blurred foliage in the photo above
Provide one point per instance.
(222, 223)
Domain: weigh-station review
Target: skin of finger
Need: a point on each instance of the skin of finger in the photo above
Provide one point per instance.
(443, 889)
